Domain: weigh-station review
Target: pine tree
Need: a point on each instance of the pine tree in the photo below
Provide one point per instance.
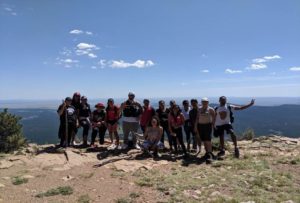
(11, 136)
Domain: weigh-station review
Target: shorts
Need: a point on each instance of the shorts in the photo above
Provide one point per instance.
(205, 131)
(219, 130)
(112, 122)
(112, 126)
(148, 144)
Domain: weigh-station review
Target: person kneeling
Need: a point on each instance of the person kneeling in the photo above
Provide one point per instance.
(153, 135)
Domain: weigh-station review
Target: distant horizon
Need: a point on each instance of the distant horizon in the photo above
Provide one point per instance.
(53, 103)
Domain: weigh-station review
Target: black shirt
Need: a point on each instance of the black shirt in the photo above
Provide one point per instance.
(84, 110)
(193, 116)
(163, 116)
(71, 114)
(98, 116)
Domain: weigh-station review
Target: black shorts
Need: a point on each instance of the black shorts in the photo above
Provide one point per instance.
(111, 122)
(205, 131)
(219, 131)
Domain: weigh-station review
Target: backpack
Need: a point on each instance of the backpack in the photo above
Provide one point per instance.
(230, 113)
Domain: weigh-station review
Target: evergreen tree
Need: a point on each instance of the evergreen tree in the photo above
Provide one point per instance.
(11, 136)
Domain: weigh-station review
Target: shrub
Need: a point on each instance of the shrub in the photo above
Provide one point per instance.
(11, 137)
(65, 190)
(248, 134)
(19, 180)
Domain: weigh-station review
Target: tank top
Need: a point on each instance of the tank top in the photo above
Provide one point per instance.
(204, 116)
(176, 121)
(112, 113)
(153, 134)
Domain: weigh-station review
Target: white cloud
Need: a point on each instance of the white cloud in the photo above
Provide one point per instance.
(80, 52)
(266, 59)
(102, 63)
(295, 68)
(205, 71)
(10, 10)
(136, 64)
(76, 32)
(257, 66)
(92, 55)
(230, 71)
(7, 9)
(69, 61)
(86, 46)
(79, 32)
(94, 67)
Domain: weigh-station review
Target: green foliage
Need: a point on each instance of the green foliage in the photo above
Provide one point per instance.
(248, 134)
(123, 200)
(19, 180)
(65, 190)
(11, 137)
(84, 199)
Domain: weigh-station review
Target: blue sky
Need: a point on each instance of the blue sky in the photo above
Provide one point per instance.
(170, 48)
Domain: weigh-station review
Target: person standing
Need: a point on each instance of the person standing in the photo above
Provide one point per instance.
(68, 122)
(204, 126)
(131, 111)
(112, 118)
(84, 119)
(76, 104)
(148, 113)
(163, 113)
(187, 123)
(98, 124)
(223, 122)
(176, 122)
(193, 117)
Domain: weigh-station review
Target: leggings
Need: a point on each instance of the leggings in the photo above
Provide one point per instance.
(166, 131)
(101, 131)
(62, 133)
(179, 136)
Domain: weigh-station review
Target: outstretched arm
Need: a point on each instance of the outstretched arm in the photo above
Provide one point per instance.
(245, 106)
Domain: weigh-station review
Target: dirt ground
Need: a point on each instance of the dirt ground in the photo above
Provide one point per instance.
(268, 171)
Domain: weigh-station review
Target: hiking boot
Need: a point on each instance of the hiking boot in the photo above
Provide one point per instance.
(236, 153)
(221, 153)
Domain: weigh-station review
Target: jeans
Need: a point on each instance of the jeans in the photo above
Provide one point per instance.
(130, 127)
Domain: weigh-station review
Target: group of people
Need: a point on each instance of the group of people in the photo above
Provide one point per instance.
(197, 121)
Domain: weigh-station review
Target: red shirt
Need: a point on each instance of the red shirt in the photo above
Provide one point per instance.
(112, 113)
(147, 115)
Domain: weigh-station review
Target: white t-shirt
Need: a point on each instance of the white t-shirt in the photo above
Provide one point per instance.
(223, 115)
(186, 113)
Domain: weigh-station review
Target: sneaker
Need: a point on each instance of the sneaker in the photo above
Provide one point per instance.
(137, 146)
(208, 158)
(112, 146)
(124, 146)
(156, 155)
(221, 153)
(237, 153)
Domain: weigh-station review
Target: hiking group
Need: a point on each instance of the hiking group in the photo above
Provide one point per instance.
(198, 122)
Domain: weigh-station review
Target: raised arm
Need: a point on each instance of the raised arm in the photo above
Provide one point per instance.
(245, 106)
(61, 109)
